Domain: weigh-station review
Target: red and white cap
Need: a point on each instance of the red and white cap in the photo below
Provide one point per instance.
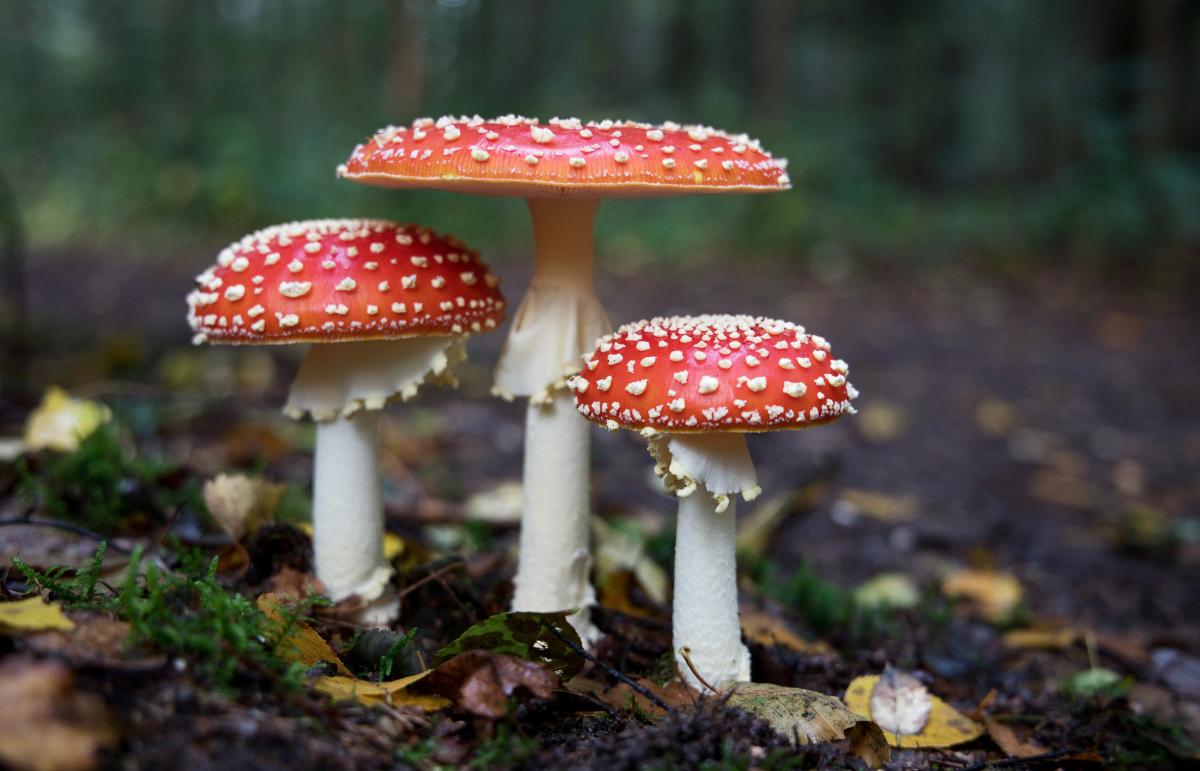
(692, 374)
(323, 281)
(515, 156)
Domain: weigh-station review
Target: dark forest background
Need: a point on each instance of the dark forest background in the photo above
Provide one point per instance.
(1003, 133)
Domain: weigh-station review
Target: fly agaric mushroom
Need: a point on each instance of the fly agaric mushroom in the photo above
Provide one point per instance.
(694, 386)
(386, 308)
(563, 168)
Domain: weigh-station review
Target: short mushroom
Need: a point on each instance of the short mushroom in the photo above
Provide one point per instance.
(694, 386)
(564, 168)
(386, 308)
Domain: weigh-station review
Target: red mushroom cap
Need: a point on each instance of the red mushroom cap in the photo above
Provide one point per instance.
(521, 157)
(688, 374)
(325, 281)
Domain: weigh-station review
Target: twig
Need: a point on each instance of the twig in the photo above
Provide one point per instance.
(1016, 761)
(613, 673)
(431, 577)
(686, 652)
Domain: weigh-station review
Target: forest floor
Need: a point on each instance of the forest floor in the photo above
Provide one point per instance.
(1013, 518)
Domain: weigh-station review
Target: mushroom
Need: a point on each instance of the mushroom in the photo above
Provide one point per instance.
(693, 386)
(564, 168)
(387, 308)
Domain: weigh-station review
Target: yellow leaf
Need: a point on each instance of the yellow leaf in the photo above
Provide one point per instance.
(994, 594)
(765, 629)
(392, 692)
(943, 727)
(309, 648)
(303, 644)
(1049, 639)
(393, 545)
(34, 615)
(61, 422)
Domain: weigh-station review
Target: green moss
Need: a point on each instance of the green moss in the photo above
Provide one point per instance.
(185, 613)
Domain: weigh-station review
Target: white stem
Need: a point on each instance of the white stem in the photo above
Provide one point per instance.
(706, 601)
(343, 386)
(348, 508)
(558, 321)
(555, 561)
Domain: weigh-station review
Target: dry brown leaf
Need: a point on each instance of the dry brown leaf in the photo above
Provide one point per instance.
(97, 640)
(615, 592)
(47, 724)
(479, 681)
(945, 726)
(765, 629)
(808, 717)
(994, 595)
(240, 503)
(33, 614)
(1008, 741)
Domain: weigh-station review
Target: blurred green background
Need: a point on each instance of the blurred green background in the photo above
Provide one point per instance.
(1003, 133)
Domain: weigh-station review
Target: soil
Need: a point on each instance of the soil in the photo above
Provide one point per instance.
(1047, 427)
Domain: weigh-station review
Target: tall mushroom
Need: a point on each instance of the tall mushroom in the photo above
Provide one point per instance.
(563, 169)
(386, 308)
(694, 386)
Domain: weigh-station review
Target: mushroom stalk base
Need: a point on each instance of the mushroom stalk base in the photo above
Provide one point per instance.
(555, 562)
(705, 617)
(348, 509)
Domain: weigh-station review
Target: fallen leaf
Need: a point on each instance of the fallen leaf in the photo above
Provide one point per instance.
(765, 629)
(879, 506)
(528, 636)
(61, 422)
(1046, 639)
(480, 682)
(240, 503)
(808, 717)
(499, 504)
(992, 594)
(302, 643)
(1008, 741)
(97, 640)
(394, 692)
(944, 726)
(900, 703)
(33, 614)
(48, 725)
(888, 590)
(622, 548)
(616, 591)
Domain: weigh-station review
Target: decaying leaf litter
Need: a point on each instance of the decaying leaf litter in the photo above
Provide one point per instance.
(1033, 586)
